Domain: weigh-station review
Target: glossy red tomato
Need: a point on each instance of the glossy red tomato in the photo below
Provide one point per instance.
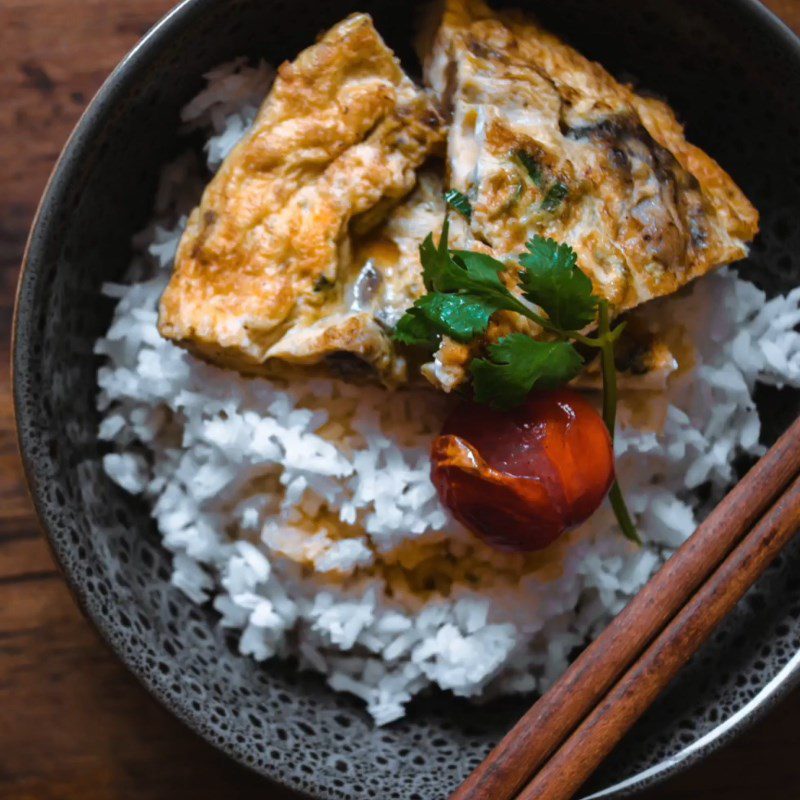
(521, 478)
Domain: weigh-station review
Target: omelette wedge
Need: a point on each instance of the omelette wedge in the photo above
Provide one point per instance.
(543, 141)
(336, 143)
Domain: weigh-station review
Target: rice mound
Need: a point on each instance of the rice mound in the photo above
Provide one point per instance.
(307, 508)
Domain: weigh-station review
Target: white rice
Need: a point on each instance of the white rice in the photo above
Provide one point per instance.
(247, 478)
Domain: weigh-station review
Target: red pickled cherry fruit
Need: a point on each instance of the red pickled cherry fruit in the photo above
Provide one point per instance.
(519, 479)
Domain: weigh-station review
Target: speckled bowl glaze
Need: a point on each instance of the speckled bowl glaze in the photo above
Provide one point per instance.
(730, 69)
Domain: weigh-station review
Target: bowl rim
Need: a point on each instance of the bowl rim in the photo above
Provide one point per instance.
(122, 77)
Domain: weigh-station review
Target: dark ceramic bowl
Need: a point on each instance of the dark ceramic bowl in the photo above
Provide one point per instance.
(730, 69)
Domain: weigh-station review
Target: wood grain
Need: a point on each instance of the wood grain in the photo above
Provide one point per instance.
(73, 724)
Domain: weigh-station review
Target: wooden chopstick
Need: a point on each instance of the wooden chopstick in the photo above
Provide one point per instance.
(634, 693)
(549, 721)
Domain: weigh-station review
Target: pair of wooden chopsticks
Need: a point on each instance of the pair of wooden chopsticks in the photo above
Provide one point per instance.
(568, 732)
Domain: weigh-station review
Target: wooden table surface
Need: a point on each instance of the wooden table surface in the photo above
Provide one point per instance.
(73, 723)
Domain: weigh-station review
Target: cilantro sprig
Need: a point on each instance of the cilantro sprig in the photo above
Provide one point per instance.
(465, 289)
(517, 363)
(552, 279)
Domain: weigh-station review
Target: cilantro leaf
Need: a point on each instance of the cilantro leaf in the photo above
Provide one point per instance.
(445, 270)
(460, 316)
(517, 364)
(532, 167)
(413, 328)
(458, 201)
(552, 279)
(464, 290)
(435, 260)
(556, 194)
(463, 317)
(479, 271)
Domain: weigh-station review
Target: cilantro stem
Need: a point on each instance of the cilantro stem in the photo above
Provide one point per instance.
(585, 340)
(607, 337)
(623, 515)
